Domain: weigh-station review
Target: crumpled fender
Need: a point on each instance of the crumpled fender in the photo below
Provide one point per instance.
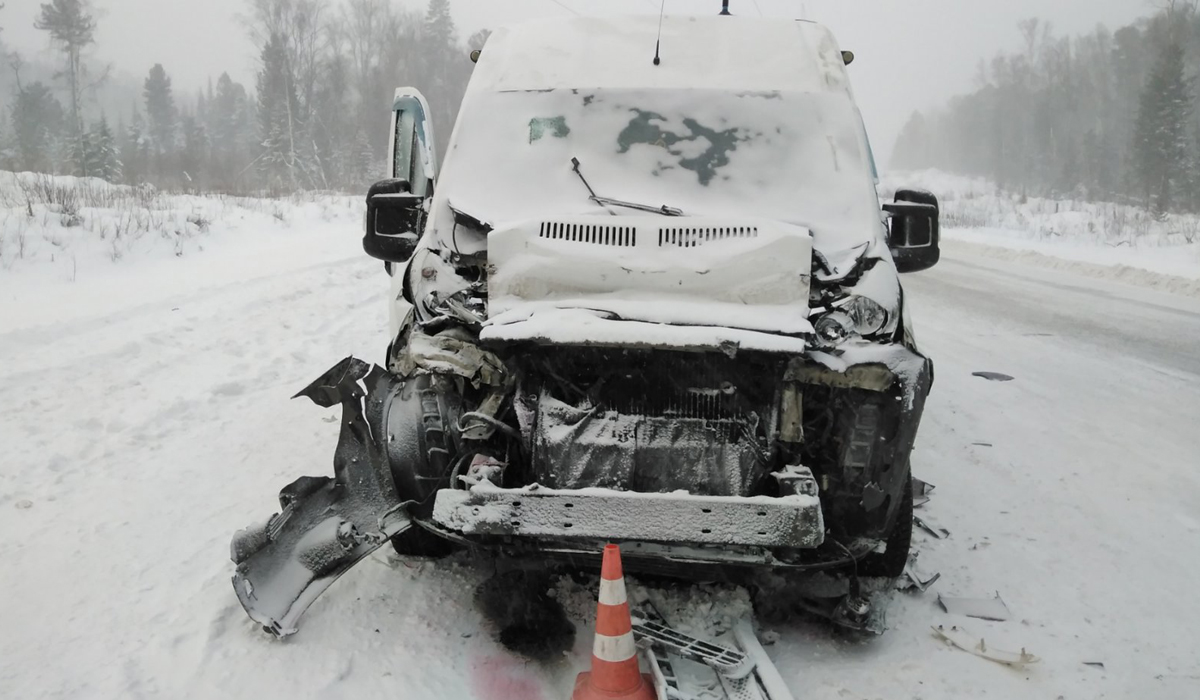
(326, 525)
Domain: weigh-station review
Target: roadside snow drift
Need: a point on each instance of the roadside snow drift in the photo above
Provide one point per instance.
(1096, 239)
(61, 237)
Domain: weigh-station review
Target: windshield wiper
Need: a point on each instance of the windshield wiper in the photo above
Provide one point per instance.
(602, 201)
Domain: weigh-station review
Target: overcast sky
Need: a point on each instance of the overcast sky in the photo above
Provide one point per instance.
(911, 53)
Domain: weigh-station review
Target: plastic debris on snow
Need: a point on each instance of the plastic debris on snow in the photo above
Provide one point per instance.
(913, 578)
(921, 492)
(961, 639)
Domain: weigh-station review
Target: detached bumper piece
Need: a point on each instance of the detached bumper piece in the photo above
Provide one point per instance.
(325, 525)
(736, 661)
(790, 521)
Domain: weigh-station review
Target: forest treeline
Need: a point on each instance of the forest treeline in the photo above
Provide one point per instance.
(1109, 116)
(317, 116)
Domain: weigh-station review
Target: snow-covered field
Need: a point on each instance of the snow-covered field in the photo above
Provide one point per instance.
(1104, 240)
(144, 416)
(62, 237)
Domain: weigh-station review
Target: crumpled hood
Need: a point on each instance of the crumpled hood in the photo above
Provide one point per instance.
(749, 275)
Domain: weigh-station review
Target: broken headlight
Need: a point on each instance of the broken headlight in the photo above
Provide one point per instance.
(833, 328)
(856, 315)
(868, 315)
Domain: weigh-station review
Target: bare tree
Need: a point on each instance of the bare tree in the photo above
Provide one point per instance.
(383, 46)
(300, 27)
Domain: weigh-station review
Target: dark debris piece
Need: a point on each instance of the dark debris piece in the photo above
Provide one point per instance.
(937, 531)
(524, 618)
(993, 376)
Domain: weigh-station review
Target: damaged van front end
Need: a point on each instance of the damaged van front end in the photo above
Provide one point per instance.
(654, 306)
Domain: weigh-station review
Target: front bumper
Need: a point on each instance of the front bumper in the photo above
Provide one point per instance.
(793, 521)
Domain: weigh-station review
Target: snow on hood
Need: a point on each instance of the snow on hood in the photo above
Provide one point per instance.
(743, 118)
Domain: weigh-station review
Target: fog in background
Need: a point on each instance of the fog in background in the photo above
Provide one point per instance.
(912, 54)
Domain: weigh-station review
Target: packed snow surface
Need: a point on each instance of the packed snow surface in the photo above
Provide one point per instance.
(145, 418)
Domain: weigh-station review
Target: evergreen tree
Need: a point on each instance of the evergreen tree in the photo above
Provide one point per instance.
(478, 39)
(444, 69)
(1194, 174)
(366, 166)
(7, 149)
(1161, 140)
(202, 105)
(71, 26)
(100, 155)
(136, 150)
(229, 115)
(193, 158)
(912, 145)
(440, 33)
(278, 118)
(161, 116)
(1070, 176)
(1062, 115)
(37, 119)
(1096, 175)
(331, 129)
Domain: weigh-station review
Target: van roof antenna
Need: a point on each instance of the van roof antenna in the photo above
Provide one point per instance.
(658, 40)
(725, 8)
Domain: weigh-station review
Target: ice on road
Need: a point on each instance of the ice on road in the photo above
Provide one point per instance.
(139, 435)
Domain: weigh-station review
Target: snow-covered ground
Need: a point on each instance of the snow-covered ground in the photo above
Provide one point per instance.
(144, 416)
(61, 238)
(1104, 240)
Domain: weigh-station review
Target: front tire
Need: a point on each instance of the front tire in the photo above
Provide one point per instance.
(419, 542)
(891, 562)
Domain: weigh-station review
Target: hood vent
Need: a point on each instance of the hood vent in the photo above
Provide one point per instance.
(692, 236)
(596, 234)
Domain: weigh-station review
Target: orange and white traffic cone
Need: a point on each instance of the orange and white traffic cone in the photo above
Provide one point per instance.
(615, 673)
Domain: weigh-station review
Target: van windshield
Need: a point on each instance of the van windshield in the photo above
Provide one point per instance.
(795, 157)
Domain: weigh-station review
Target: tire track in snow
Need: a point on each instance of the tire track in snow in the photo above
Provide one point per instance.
(57, 344)
(214, 353)
(126, 448)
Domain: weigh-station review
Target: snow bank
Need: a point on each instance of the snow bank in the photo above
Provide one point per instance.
(57, 219)
(1096, 239)
(70, 244)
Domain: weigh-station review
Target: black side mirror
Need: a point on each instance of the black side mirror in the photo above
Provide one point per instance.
(914, 236)
(395, 219)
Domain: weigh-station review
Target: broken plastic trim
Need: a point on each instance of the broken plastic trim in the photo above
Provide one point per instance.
(325, 525)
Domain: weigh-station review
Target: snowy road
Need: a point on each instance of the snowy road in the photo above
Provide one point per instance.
(1073, 490)
(136, 440)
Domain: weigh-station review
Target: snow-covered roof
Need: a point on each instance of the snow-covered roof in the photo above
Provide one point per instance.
(745, 117)
(722, 53)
